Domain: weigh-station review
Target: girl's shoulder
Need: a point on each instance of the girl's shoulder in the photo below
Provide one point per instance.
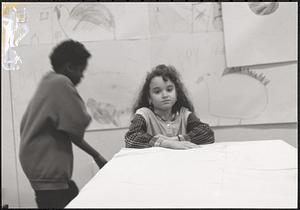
(144, 111)
(184, 110)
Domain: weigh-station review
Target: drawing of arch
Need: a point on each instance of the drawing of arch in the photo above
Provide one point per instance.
(238, 94)
(84, 18)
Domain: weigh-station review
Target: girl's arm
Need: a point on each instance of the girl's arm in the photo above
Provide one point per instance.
(137, 136)
(198, 132)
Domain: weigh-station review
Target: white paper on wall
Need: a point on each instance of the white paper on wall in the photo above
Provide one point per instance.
(111, 83)
(260, 32)
(117, 68)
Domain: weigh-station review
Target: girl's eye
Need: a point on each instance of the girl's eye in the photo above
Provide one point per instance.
(156, 91)
(170, 89)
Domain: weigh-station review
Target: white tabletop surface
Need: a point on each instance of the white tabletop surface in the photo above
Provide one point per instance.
(251, 174)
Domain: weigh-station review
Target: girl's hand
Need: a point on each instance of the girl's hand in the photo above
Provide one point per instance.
(178, 144)
(162, 137)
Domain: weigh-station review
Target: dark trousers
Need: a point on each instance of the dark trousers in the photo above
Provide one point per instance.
(56, 198)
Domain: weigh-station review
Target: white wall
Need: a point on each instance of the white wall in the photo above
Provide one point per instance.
(287, 132)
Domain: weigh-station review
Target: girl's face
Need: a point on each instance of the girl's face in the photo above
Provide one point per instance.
(162, 94)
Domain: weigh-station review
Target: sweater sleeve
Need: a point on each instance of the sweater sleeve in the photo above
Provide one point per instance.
(198, 132)
(137, 136)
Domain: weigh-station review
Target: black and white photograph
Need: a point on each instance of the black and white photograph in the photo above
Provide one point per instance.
(149, 104)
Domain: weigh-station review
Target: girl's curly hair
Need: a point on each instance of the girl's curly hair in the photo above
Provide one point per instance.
(167, 73)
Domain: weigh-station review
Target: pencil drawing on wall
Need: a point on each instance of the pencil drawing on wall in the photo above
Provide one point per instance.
(126, 41)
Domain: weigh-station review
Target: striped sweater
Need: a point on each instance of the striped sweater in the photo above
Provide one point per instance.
(138, 135)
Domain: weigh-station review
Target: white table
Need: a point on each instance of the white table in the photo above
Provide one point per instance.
(252, 174)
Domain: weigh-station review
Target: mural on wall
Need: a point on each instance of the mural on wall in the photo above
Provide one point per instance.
(84, 20)
(260, 32)
(110, 90)
(104, 113)
(242, 91)
(126, 41)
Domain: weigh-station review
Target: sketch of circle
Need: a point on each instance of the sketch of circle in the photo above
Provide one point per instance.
(263, 8)
(242, 96)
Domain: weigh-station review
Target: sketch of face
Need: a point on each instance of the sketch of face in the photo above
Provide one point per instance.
(75, 73)
(162, 94)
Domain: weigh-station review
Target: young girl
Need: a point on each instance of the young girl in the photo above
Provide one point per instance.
(164, 116)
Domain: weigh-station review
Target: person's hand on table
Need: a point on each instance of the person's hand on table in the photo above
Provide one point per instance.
(173, 143)
(180, 144)
(100, 161)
